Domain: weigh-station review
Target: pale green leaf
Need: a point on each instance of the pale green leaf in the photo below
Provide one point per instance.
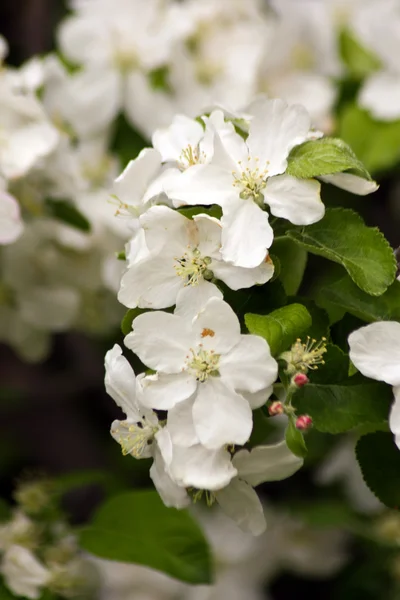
(281, 327)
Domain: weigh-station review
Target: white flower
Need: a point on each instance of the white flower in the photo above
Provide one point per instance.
(11, 225)
(20, 531)
(140, 184)
(263, 463)
(208, 358)
(375, 351)
(243, 177)
(23, 573)
(137, 434)
(182, 253)
(26, 135)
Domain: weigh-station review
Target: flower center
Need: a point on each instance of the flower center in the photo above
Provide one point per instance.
(134, 438)
(251, 180)
(302, 357)
(203, 363)
(193, 267)
(191, 156)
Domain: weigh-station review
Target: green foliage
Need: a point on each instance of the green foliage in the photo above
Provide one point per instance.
(359, 60)
(280, 328)
(335, 369)
(342, 292)
(295, 439)
(376, 143)
(342, 236)
(126, 143)
(379, 460)
(136, 527)
(65, 211)
(324, 156)
(292, 261)
(191, 211)
(336, 408)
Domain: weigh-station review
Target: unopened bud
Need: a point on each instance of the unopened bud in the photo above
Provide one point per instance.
(300, 379)
(304, 422)
(276, 408)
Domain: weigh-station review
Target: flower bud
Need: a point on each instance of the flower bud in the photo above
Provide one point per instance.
(304, 422)
(300, 379)
(276, 408)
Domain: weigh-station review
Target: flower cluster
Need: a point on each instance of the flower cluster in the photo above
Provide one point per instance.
(38, 551)
(192, 412)
(223, 52)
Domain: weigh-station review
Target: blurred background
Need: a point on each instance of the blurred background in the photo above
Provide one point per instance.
(55, 415)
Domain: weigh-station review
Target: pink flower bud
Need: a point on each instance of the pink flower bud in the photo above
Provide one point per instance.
(300, 379)
(304, 422)
(276, 408)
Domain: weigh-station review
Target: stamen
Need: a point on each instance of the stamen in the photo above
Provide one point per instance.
(193, 267)
(303, 357)
(134, 438)
(191, 156)
(251, 182)
(203, 364)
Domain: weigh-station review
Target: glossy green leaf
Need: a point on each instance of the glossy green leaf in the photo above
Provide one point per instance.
(342, 237)
(136, 527)
(292, 260)
(281, 327)
(336, 408)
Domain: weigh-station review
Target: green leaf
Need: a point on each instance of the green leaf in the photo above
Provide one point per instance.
(127, 142)
(5, 511)
(324, 157)
(280, 328)
(136, 527)
(159, 79)
(85, 477)
(343, 293)
(342, 236)
(5, 593)
(340, 407)
(65, 211)
(379, 460)
(335, 369)
(191, 211)
(295, 439)
(376, 143)
(359, 60)
(293, 261)
(130, 315)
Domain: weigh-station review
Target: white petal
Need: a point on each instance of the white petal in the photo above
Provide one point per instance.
(375, 351)
(11, 225)
(220, 415)
(162, 391)
(274, 130)
(380, 95)
(239, 277)
(249, 365)
(201, 184)
(394, 417)
(24, 575)
(120, 382)
(246, 233)
(241, 503)
(192, 299)
(179, 135)
(180, 424)
(133, 439)
(351, 183)
(217, 327)
(266, 463)
(131, 186)
(161, 341)
(150, 283)
(202, 468)
(171, 493)
(297, 200)
(162, 225)
(257, 399)
(209, 235)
